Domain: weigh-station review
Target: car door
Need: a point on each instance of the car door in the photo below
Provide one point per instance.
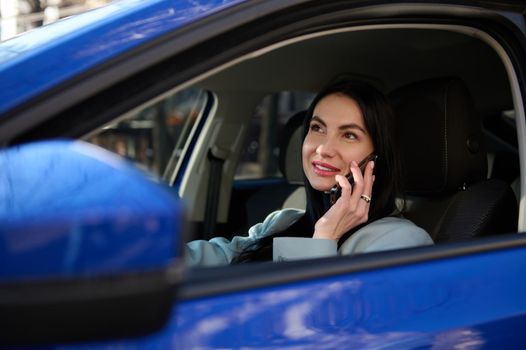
(467, 294)
(439, 297)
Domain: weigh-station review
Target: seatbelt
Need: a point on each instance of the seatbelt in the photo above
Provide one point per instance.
(216, 157)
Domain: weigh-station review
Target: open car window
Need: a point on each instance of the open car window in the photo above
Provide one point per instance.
(245, 201)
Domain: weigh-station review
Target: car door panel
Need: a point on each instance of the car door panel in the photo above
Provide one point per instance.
(433, 303)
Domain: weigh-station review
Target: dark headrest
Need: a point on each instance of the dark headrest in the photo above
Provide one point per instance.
(440, 136)
(290, 149)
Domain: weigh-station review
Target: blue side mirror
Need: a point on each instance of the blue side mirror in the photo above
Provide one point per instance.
(84, 237)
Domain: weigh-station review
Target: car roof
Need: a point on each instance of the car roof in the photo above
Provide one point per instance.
(33, 62)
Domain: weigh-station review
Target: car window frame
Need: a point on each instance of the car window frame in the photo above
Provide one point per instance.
(203, 282)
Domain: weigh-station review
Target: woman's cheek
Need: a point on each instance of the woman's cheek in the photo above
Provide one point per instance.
(306, 149)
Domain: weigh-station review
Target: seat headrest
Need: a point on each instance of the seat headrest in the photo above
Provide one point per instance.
(290, 162)
(440, 136)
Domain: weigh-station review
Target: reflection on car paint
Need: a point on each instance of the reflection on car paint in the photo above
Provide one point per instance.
(113, 30)
(91, 213)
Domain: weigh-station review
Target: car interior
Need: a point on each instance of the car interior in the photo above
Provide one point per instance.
(452, 93)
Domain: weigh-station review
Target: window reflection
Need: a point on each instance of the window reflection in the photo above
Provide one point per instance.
(154, 137)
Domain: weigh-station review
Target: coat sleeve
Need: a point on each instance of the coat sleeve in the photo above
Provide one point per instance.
(221, 251)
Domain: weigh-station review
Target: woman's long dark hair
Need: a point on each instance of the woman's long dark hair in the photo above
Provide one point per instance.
(379, 122)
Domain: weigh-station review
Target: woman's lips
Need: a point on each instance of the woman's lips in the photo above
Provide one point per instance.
(324, 169)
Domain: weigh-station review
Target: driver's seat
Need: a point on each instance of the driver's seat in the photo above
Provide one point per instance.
(444, 164)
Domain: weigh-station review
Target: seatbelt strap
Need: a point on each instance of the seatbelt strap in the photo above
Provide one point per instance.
(216, 157)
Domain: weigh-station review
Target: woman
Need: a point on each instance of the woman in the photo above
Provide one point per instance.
(346, 123)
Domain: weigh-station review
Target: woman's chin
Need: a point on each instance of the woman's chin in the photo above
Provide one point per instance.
(322, 187)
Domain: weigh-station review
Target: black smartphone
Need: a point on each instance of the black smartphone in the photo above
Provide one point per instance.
(336, 191)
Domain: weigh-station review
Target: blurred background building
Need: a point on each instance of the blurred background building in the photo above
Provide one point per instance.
(18, 16)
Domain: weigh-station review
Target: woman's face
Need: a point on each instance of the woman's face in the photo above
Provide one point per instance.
(336, 136)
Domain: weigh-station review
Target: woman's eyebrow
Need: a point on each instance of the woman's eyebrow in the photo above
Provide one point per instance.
(319, 120)
(341, 127)
(352, 126)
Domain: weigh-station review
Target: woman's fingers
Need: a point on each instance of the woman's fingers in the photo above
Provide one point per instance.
(365, 196)
(350, 209)
(368, 179)
(358, 186)
(362, 184)
(346, 188)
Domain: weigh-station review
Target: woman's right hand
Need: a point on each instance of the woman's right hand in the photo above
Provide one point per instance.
(351, 209)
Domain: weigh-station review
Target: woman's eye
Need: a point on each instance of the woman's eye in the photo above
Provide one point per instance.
(350, 136)
(315, 127)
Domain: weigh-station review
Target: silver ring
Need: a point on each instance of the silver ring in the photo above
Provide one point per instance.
(366, 198)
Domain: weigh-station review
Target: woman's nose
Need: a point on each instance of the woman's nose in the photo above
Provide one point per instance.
(326, 148)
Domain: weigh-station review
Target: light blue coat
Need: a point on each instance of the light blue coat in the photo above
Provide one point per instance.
(383, 234)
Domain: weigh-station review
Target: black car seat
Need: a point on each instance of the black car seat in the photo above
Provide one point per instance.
(444, 164)
(290, 162)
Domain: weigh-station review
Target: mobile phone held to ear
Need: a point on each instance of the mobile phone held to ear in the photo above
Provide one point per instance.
(336, 191)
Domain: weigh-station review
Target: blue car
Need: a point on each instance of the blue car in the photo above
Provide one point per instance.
(134, 128)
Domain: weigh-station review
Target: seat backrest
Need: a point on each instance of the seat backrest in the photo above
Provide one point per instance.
(444, 164)
(290, 162)
(290, 192)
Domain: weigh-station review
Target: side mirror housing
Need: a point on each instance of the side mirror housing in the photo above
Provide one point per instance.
(89, 246)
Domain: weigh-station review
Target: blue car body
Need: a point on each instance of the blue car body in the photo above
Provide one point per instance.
(32, 64)
(57, 232)
(469, 295)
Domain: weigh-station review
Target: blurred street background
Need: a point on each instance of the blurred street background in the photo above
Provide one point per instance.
(18, 16)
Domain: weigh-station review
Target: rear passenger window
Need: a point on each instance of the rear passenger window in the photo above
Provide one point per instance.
(259, 158)
(154, 137)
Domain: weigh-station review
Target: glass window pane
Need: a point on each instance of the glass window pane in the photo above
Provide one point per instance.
(154, 137)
